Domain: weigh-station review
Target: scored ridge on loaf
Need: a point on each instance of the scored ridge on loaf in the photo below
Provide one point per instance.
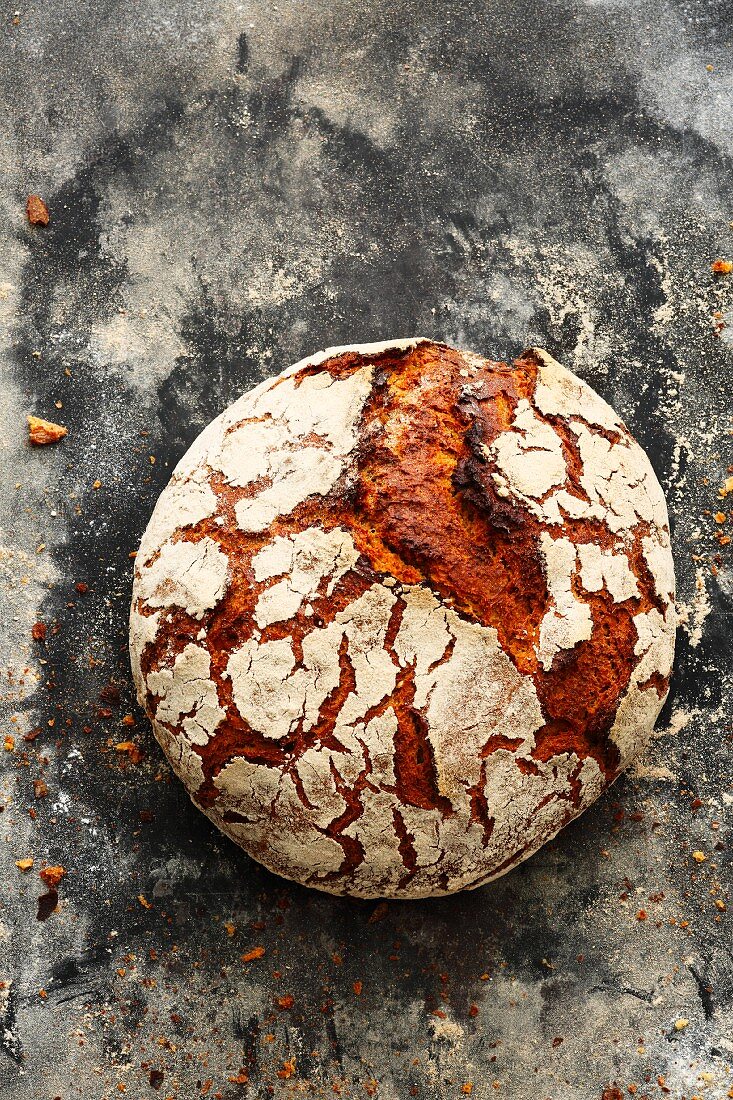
(403, 612)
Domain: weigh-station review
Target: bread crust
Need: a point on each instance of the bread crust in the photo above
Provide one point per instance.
(403, 612)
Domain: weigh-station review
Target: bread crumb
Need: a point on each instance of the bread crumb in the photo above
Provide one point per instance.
(41, 432)
(255, 953)
(52, 875)
(36, 210)
(681, 1024)
(288, 1069)
(721, 267)
(699, 857)
(134, 753)
(24, 865)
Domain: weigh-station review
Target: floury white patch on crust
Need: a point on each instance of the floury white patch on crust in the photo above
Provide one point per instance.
(208, 444)
(297, 445)
(560, 393)
(399, 744)
(569, 620)
(185, 502)
(605, 567)
(187, 690)
(190, 575)
(530, 457)
(640, 705)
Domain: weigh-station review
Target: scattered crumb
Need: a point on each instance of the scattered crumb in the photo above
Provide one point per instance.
(133, 751)
(52, 875)
(42, 432)
(36, 210)
(288, 1069)
(254, 953)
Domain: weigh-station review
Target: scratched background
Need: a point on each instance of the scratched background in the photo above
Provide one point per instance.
(233, 185)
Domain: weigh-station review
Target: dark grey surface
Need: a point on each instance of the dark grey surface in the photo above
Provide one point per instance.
(231, 187)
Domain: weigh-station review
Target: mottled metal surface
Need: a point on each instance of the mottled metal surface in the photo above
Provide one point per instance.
(232, 186)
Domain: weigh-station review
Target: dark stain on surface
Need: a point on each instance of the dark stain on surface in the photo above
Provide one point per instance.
(47, 904)
(242, 53)
(705, 994)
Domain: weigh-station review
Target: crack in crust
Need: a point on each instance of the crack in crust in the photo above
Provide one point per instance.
(404, 612)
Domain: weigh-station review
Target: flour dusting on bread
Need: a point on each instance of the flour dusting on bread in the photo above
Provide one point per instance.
(403, 612)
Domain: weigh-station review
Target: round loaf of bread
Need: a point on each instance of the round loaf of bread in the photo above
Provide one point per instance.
(403, 612)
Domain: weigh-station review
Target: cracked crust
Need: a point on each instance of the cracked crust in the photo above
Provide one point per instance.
(403, 612)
